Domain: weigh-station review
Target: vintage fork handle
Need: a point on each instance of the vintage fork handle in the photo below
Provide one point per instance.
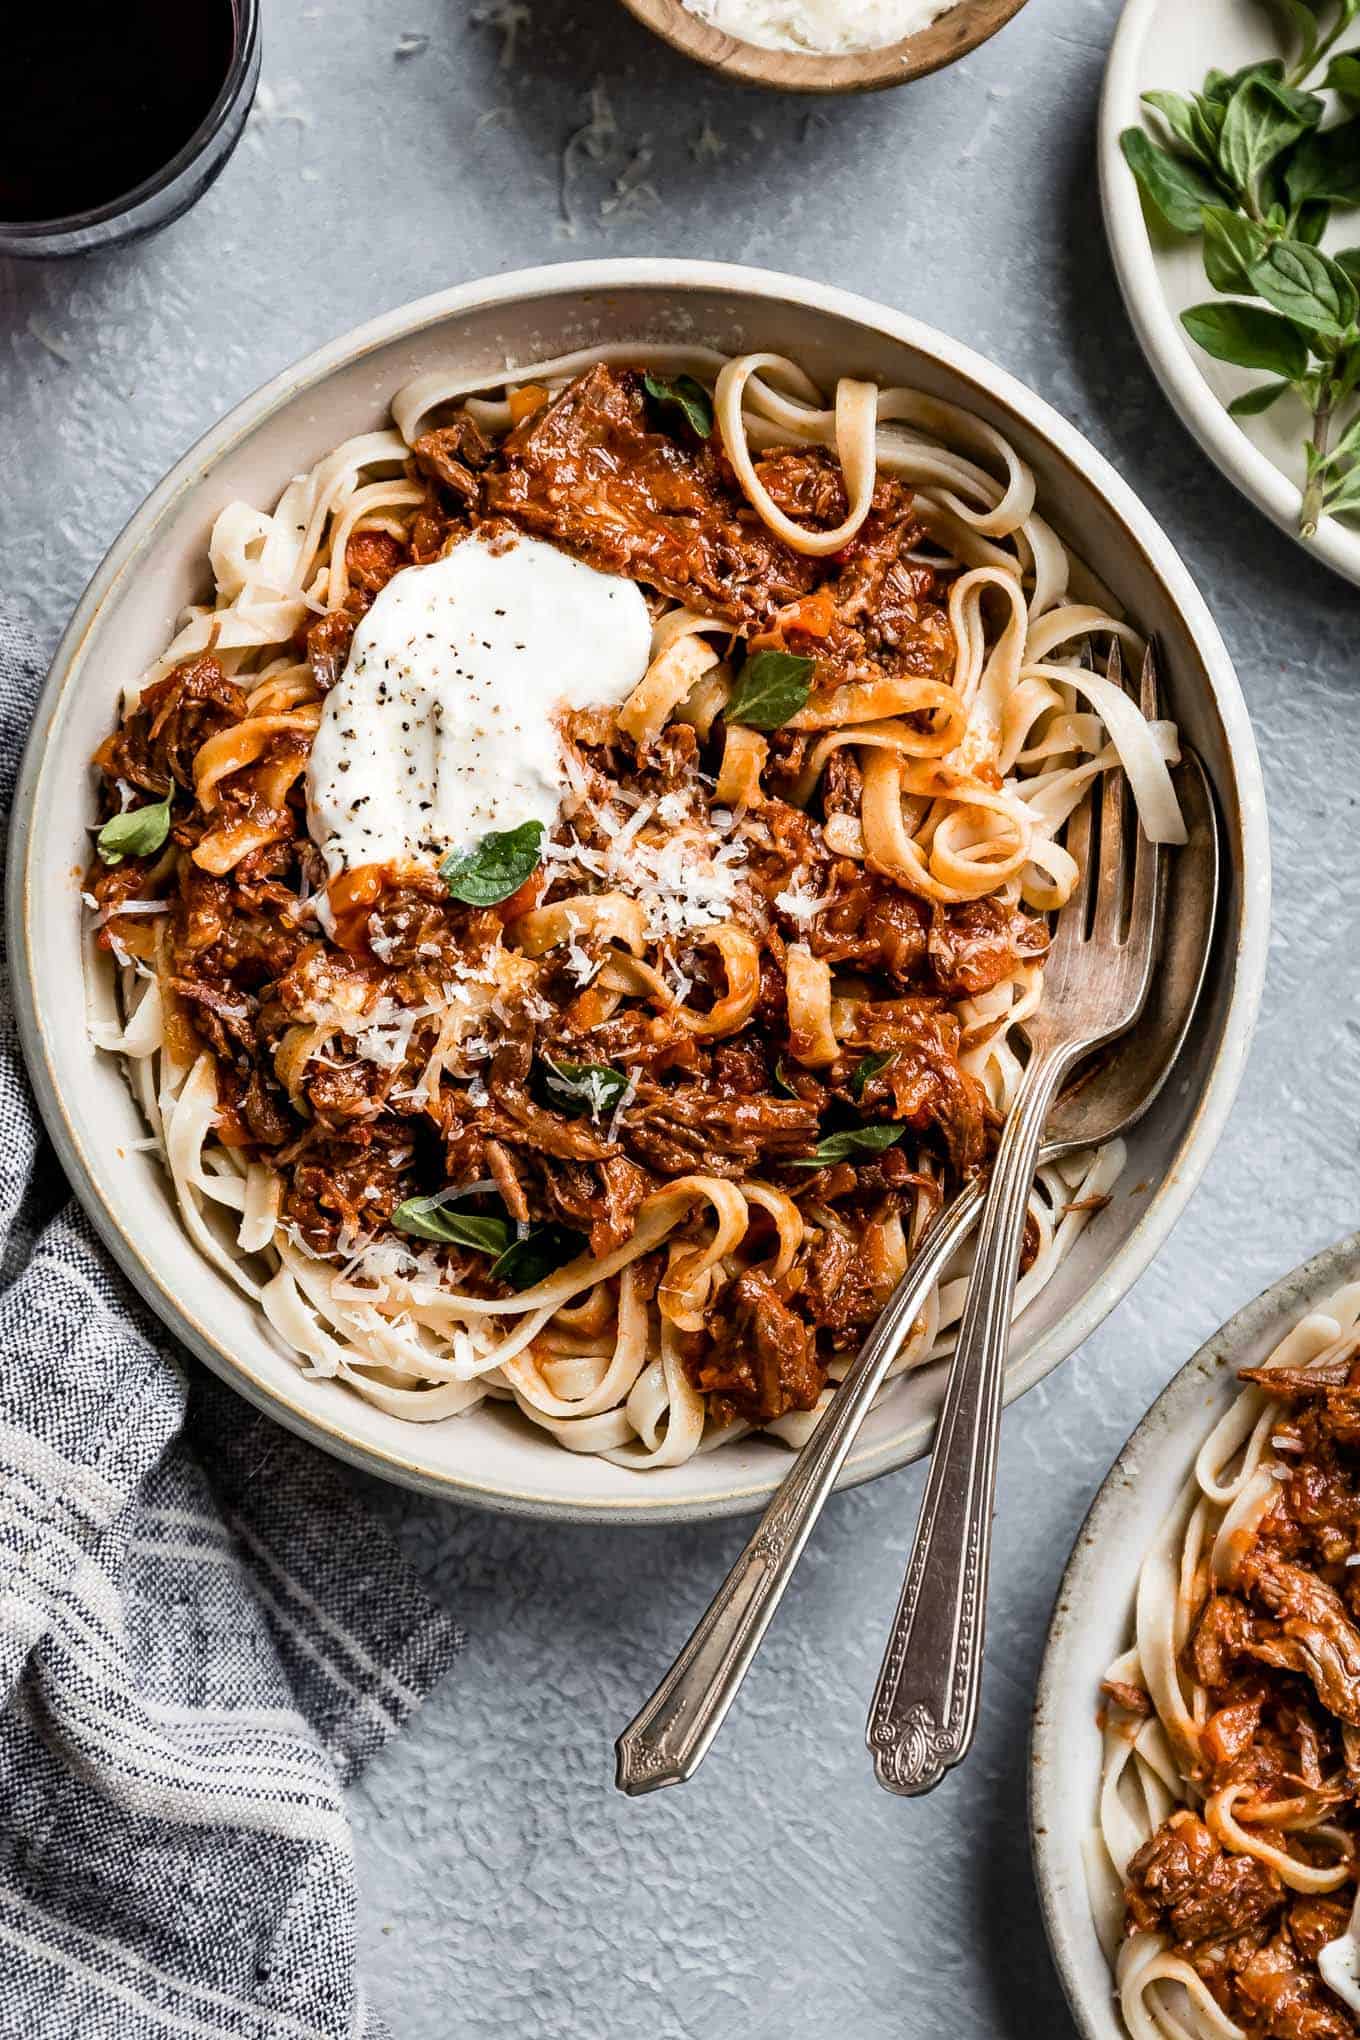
(925, 1706)
(668, 1739)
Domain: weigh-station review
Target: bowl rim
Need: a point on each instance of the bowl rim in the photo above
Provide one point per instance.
(1063, 1898)
(675, 277)
(894, 63)
(1233, 453)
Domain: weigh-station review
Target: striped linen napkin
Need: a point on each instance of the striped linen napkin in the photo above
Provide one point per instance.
(204, 1636)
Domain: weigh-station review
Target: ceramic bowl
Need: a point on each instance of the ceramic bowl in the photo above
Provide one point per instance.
(963, 27)
(160, 562)
(1093, 1616)
(1164, 44)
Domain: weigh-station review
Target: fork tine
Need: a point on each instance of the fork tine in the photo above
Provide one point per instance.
(1111, 884)
(1078, 841)
(1114, 819)
(1147, 860)
(1145, 920)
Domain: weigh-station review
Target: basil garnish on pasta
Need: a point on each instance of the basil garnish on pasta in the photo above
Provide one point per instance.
(138, 832)
(425, 1218)
(872, 1066)
(575, 1088)
(854, 1140)
(519, 1262)
(782, 1081)
(771, 689)
(1249, 166)
(542, 1251)
(680, 397)
(495, 867)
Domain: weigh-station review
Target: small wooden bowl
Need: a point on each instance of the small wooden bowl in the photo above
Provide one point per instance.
(967, 24)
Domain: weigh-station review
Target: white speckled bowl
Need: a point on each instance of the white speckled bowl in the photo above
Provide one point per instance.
(126, 617)
(1093, 1615)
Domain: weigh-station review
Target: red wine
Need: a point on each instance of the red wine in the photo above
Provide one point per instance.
(104, 94)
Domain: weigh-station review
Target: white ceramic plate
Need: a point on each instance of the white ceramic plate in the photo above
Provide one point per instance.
(1170, 44)
(490, 1456)
(1093, 1617)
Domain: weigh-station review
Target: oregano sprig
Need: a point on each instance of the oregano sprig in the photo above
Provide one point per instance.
(1251, 164)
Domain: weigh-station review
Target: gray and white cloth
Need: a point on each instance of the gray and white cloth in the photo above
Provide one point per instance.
(204, 1636)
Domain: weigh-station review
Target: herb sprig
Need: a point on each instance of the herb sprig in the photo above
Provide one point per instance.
(577, 1088)
(137, 832)
(517, 1261)
(1248, 165)
(495, 867)
(852, 1140)
(772, 688)
(680, 399)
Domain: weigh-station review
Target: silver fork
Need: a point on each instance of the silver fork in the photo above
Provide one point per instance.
(669, 1737)
(1096, 979)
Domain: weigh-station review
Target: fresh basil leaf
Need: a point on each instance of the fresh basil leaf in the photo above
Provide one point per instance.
(1248, 335)
(872, 1065)
(1347, 447)
(1306, 285)
(425, 1218)
(495, 867)
(1177, 187)
(771, 688)
(1349, 260)
(1301, 19)
(1343, 77)
(1310, 221)
(576, 1088)
(1206, 122)
(781, 1080)
(1326, 166)
(543, 1250)
(855, 1140)
(1179, 115)
(1252, 402)
(1344, 498)
(1219, 86)
(1344, 373)
(1232, 243)
(684, 395)
(137, 832)
(1263, 119)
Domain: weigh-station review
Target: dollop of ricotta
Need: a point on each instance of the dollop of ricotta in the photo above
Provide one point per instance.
(1339, 1963)
(441, 728)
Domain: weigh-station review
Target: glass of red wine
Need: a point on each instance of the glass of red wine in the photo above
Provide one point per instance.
(121, 116)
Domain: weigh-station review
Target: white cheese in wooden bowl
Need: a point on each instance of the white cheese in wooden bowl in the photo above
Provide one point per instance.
(826, 27)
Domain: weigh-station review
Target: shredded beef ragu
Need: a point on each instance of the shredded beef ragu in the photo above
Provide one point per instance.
(245, 966)
(1278, 1654)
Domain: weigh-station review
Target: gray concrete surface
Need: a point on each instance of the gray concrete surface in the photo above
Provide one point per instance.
(508, 1890)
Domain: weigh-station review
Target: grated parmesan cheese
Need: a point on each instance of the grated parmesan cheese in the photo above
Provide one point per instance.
(685, 882)
(801, 906)
(829, 27)
(626, 1097)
